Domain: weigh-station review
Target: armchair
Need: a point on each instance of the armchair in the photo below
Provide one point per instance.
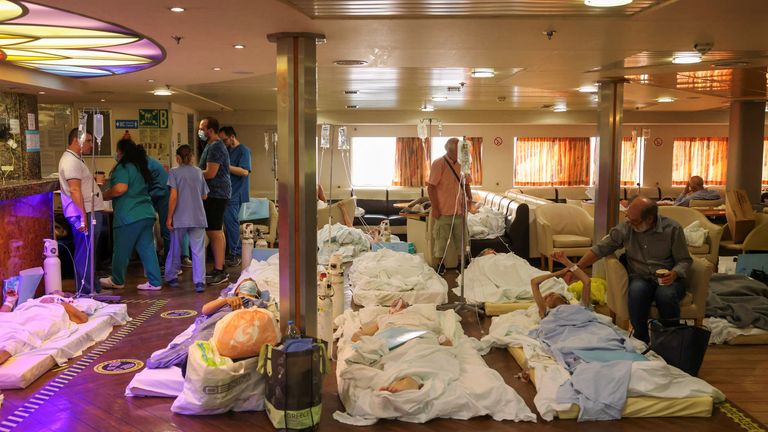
(692, 306)
(268, 226)
(563, 227)
(686, 216)
(756, 240)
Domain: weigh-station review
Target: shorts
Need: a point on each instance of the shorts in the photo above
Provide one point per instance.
(442, 232)
(214, 212)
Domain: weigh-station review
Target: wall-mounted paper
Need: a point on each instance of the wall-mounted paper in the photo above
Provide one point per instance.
(33, 141)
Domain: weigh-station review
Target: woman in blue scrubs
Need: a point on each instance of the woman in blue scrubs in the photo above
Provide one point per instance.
(134, 216)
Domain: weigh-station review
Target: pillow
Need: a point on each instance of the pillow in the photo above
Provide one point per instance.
(242, 333)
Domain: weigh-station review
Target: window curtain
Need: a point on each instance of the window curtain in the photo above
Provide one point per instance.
(703, 156)
(552, 161)
(630, 152)
(765, 162)
(412, 157)
(476, 154)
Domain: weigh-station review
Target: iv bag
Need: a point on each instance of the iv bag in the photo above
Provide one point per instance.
(343, 145)
(463, 156)
(421, 130)
(325, 136)
(81, 127)
(98, 126)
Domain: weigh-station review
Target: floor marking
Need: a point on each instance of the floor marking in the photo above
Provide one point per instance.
(50, 389)
(740, 418)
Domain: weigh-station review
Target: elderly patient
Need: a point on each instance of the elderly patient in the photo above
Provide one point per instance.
(398, 317)
(34, 322)
(695, 190)
(549, 302)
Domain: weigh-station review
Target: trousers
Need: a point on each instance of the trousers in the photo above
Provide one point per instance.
(643, 293)
(140, 236)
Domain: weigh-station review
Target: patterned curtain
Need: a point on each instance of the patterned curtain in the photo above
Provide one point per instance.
(765, 162)
(412, 157)
(630, 152)
(703, 156)
(552, 161)
(476, 154)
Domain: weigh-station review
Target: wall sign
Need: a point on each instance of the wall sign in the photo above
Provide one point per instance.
(658, 141)
(126, 124)
(153, 118)
(498, 141)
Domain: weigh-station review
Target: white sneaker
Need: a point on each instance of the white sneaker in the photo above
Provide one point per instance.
(146, 286)
(107, 283)
(178, 273)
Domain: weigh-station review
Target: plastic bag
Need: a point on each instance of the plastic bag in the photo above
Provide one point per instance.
(215, 384)
(695, 234)
(243, 332)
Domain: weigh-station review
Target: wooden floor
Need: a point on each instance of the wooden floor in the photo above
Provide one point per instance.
(96, 402)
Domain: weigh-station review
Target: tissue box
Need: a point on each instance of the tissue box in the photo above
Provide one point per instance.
(406, 247)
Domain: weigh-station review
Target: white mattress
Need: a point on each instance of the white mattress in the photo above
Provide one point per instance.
(166, 382)
(381, 277)
(21, 370)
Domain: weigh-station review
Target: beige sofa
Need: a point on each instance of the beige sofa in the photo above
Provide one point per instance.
(533, 204)
(686, 216)
(691, 306)
(563, 227)
(756, 240)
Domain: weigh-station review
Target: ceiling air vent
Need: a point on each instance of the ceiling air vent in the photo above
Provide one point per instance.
(350, 62)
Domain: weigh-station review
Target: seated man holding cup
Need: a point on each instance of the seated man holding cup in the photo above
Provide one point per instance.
(657, 262)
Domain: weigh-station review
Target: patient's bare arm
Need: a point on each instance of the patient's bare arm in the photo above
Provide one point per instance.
(536, 291)
(367, 329)
(10, 301)
(75, 315)
(405, 383)
(579, 273)
(4, 356)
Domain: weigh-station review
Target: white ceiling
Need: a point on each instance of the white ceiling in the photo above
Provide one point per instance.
(412, 59)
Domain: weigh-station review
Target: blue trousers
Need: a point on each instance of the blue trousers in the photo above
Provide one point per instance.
(196, 238)
(643, 293)
(82, 244)
(232, 228)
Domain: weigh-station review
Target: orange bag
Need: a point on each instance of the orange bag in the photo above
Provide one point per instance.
(242, 333)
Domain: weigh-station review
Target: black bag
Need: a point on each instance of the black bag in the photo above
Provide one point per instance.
(294, 383)
(680, 345)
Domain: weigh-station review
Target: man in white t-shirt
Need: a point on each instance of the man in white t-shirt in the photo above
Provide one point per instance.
(77, 185)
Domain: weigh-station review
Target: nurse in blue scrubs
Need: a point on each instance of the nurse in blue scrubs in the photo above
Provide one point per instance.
(134, 216)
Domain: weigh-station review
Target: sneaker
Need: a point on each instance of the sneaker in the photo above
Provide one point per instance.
(186, 262)
(233, 261)
(173, 283)
(199, 287)
(178, 273)
(146, 286)
(441, 269)
(108, 284)
(218, 277)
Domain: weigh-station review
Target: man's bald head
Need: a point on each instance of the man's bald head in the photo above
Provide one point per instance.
(642, 212)
(696, 183)
(451, 147)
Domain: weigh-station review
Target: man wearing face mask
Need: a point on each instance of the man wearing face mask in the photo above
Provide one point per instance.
(215, 165)
(652, 242)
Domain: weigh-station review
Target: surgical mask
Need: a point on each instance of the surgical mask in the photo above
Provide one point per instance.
(201, 135)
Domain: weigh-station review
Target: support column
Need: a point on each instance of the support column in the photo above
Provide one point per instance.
(746, 131)
(610, 112)
(296, 187)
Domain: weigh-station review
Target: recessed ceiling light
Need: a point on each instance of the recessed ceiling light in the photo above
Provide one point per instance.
(216, 68)
(177, 9)
(350, 62)
(352, 106)
(162, 92)
(588, 89)
(686, 58)
(102, 100)
(238, 46)
(483, 73)
(560, 108)
(150, 80)
(41, 92)
(665, 99)
(427, 108)
(606, 3)
(439, 98)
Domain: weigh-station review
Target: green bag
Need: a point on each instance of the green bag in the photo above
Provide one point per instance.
(294, 384)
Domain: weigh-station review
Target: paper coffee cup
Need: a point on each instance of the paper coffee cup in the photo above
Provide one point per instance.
(660, 273)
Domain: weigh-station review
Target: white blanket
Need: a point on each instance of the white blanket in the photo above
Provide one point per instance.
(505, 278)
(35, 328)
(456, 381)
(649, 378)
(350, 242)
(723, 331)
(487, 223)
(379, 278)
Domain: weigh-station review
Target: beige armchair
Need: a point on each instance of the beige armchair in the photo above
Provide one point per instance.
(268, 226)
(686, 216)
(563, 227)
(755, 241)
(342, 212)
(691, 306)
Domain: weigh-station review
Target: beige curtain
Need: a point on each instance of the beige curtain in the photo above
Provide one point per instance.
(552, 161)
(476, 154)
(765, 162)
(703, 156)
(630, 153)
(412, 157)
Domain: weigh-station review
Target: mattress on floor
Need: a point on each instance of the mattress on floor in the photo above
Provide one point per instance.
(166, 382)
(636, 406)
(425, 296)
(21, 370)
(751, 339)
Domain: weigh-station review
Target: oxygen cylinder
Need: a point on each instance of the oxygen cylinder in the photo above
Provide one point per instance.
(336, 275)
(324, 310)
(52, 266)
(246, 251)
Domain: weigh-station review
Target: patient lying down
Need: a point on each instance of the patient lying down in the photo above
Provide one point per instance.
(552, 300)
(27, 320)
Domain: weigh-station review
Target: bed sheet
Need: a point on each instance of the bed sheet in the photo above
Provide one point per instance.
(23, 369)
(724, 332)
(649, 379)
(381, 277)
(166, 382)
(457, 383)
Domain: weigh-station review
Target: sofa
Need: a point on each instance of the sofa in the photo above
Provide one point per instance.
(533, 203)
(516, 237)
(379, 204)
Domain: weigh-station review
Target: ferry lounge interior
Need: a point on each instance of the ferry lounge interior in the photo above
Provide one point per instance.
(410, 221)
